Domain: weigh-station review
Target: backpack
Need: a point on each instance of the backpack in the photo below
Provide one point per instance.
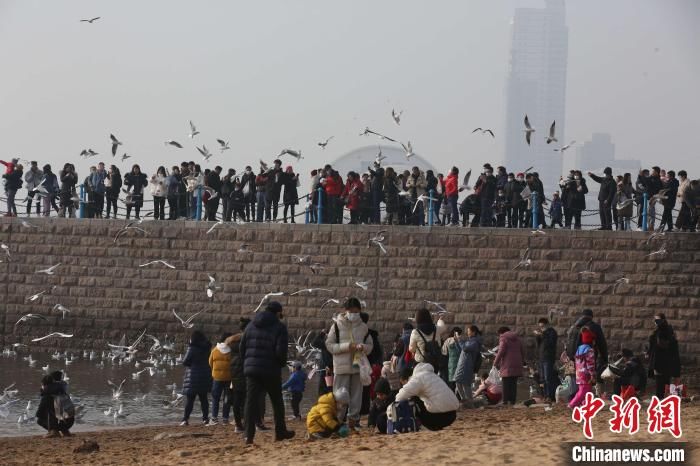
(401, 418)
(63, 407)
(433, 352)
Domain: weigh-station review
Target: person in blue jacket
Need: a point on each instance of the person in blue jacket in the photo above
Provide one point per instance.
(296, 385)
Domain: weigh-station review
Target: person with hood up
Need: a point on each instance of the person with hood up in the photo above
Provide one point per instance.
(509, 361)
(391, 196)
(377, 411)
(601, 345)
(349, 340)
(585, 367)
(469, 363)
(663, 354)
(436, 404)
(425, 331)
(197, 379)
(264, 353)
(323, 420)
(238, 385)
(220, 363)
(113, 186)
(248, 188)
(452, 348)
(53, 386)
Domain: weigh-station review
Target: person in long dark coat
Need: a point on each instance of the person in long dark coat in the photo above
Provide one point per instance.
(197, 379)
(664, 357)
(291, 197)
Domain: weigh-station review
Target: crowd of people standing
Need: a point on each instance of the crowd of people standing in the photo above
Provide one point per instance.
(498, 198)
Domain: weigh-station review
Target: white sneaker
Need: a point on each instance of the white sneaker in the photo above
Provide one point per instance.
(184, 423)
(212, 422)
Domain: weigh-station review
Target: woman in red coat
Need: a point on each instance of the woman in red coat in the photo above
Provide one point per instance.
(509, 361)
(351, 195)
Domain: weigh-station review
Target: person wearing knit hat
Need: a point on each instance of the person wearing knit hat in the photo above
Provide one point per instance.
(585, 367)
(377, 410)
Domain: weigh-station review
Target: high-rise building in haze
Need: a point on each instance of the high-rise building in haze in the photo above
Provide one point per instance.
(599, 152)
(536, 86)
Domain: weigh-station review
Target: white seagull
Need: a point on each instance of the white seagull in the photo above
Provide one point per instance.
(159, 261)
(525, 260)
(244, 248)
(38, 295)
(661, 252)
(62, 308)
(170, 142)
(54, 334)
(116, 390)
(224, 145)
(408, 149)
(266, 297)
(193, 130)
(396, 116)
(27, 317)
(421, 199)
(528, 130)
(619, 282)
(310, 291)
(465, 182)
(206, 155)
(325, 143)
(115, 143)
(440, 307)
(188, 323)
(329, 301)
(212, 287)
(566, 147)
(379, 156)
(588, 273)
(484, 131)
(50, 270)
(552, 137)
(220, 222)
(294, 153)
(128, 227)
(363, 284)
(623, 204)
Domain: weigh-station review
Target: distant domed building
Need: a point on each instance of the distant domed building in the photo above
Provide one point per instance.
(359, 159)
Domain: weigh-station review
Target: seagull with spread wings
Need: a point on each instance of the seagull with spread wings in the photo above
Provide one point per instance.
(525, 260)
(159, 261)
(484, 131)
(266, 297)
(323, 144)
(54, 334)
(193, 130)
(528, 130)
(552, 137)
(90, 21)
(223, 145)
(188, 323)
(115, 143)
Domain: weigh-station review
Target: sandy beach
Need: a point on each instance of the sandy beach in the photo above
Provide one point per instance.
(486, 436)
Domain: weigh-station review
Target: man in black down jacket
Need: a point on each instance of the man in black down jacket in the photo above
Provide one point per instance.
(264, 354)
(546, 338)
(605, 197)
(601, 346)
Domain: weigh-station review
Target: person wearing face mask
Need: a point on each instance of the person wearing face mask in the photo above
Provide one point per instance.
(348, 341)
(263, 350)
(576, 190)
(601, 346)
(248, 188)
(663, 354)
(487, 197)
(608, 186)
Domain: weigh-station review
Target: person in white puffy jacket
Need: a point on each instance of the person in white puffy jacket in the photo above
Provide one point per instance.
(437, 404)
(348, 340)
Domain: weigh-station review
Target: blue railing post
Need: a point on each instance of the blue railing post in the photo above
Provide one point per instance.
(199, 202)
(81, 209)
(644, 212)
(430, 209)
(319, 209)
(535, 213)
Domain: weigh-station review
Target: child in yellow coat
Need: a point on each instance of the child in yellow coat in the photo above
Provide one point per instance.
(322, 420)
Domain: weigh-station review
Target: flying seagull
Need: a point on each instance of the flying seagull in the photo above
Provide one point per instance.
(116, 390)
(131, 348)
(6, 248)
(301, 259)
(484, 131)
(206, 155)
(310, 291)
(294, 153)
(220, 222)
(588, 273)
(619, 282)
(244, 248)
(655, 235)
(368, 131)
(552, 137)
(130, 226)
(91, 20)
(379, 156)
(193, 130)
(661, 252)
(363, 284)
(170, 142)
(378, 240)
(266, 297)
(465, 182)
(528, 130)
(62, 308)
(115, 143)
(325, 143)
(408, 149)
(623, 204)
(50, 270)
(38, 295)
(125, 156)
(566, 147)
(421, 199)
(188, 323)
(661, 196)
(224, 145)
(525, 260)
(27, 317)
(441, 309)
(396, 116)
(329, 301)
(212, 287)
(159, 261)
(54, 334)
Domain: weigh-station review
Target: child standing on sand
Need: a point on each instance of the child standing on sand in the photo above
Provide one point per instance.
(585, 367)
(296, 385)
(220, 363)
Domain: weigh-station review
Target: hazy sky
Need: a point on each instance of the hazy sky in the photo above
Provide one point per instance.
(273, 74)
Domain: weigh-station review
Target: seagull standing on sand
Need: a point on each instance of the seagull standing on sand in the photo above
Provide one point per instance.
(325, 143)
(552, 137)
(193, 130)
(528, 130)
(115, 143)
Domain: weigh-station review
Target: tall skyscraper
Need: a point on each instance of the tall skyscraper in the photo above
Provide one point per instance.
(536, 86)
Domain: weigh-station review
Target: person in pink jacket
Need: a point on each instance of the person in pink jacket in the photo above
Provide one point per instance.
(585, 367)
(509, 361)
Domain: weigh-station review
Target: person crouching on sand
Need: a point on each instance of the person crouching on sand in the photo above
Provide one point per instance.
(54, 396)
(585, 367)
(323, 420)
(436, 403)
